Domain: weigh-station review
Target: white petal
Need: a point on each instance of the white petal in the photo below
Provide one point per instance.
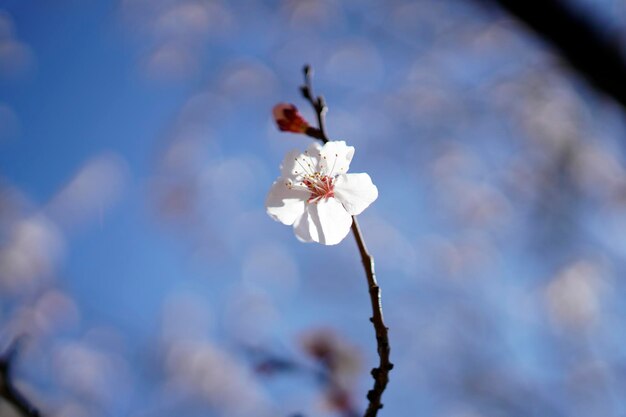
(314, 149)
(285, 204)
(330, 219)
(297, 163)
(355, 191)
(289, 165)
(335, 158)
(305, 228)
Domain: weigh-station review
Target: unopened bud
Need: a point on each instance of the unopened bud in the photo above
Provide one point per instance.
(288, 119)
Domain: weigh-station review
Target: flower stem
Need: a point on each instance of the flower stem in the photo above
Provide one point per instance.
(380, 373)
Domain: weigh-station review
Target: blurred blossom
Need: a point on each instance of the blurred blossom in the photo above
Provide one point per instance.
(599, 173)
(108, 338)
(178, 167)
(458, 258)
(73, 410)
(574, 296)
(271, 266)
(171, 61)
(424, 104)
(7, 27)
(13, 205)
(246, 79)
(175, 199)
(91, 192)
(393, 250)
(589, 384)
(476, 204)
(496, 36)
(198, 18)
(192, 171)
(326, 346)
(462, 411)
(251, 315)
(240, 175)
(420, 20)
(455, 161)
(365, 125)
(89, 373)
(297, 50)
(29, 255)
(16, 57)
(202, 112)
(191, 19)
(314, 15)
(180, 29)
(356, 64)
(9, 123)
(340, 360)
(55, 310)
(215, 376)
(185, 317)
(548, 110)
(187, 153)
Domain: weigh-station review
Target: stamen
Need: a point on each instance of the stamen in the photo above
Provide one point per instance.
(309, 171)
(320, 186)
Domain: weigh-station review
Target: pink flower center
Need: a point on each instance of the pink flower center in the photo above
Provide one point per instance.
(320, 186)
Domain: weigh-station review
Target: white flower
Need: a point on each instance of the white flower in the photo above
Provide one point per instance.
(316, 195)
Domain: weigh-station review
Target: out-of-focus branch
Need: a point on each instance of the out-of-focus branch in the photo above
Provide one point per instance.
(8, 390)
(319, 105)
(323, 373)
(380, 373)
(597, 57)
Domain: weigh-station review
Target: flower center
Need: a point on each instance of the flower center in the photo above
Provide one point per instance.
(320, 186)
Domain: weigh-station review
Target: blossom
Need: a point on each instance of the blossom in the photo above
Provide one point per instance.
(316, 196)
(288, 119)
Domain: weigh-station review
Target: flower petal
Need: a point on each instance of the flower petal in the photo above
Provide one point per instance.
(335, 158)
(355, 191)
(305, 228)
(331, 220)
(285, 204)
(289, 165)
(297, 163)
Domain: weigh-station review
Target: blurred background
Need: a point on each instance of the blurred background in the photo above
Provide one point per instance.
(140, 268)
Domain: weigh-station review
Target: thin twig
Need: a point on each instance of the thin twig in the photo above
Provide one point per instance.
(319, 105)
(381, 373)
(8, 390)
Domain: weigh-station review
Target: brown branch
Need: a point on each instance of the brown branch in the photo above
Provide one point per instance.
(381, 373)
(8, 390)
